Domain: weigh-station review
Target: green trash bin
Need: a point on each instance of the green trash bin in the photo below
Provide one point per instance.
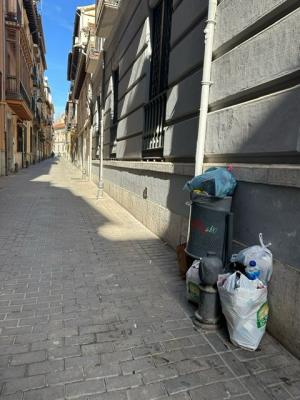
(210, 228)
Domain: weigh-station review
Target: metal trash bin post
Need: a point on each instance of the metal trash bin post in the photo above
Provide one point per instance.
(209, 310)
(210, 230)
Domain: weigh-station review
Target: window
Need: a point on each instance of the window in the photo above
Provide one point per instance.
(25, 139)
(96, 130)
(113, 130)
(155, 110)
(19, 139)
(1, 86)
(31, 140)
(115, 77)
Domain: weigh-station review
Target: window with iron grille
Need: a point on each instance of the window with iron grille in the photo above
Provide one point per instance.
(113, 129)
(96, 129)
(31, 140)
(19, 139)
(155, 110)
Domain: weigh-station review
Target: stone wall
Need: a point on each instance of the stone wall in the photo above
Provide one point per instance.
(254, 121)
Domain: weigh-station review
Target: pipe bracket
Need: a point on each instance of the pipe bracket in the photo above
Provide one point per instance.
(211, 21)
(206, 83)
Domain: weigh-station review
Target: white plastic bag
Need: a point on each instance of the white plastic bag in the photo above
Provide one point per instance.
(245, 307)
(193, 282)
(261, 255)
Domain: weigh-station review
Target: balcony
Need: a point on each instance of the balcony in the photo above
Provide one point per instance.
(17, 98)
(13, 14)
(93, 54)
(37, 117)
(106, 13)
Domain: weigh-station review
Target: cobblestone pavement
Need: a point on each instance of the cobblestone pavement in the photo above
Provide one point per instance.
(91, 307)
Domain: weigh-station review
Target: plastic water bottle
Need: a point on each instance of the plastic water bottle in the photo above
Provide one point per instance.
(252, 271)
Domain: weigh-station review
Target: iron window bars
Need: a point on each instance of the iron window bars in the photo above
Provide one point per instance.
(155, 110)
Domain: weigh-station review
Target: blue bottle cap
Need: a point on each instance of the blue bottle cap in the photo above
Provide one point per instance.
(252, 263)
(252, 275)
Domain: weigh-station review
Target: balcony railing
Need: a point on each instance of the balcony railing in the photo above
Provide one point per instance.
(13, 12)
(12, 87)
(25, 95)
(106, 12)
(95, 46)
(153, 135)
(100, 4)
(15, 91)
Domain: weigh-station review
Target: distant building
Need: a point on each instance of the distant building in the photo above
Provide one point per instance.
(59, 143)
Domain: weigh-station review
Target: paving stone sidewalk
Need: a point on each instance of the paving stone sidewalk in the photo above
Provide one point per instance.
(92, 307)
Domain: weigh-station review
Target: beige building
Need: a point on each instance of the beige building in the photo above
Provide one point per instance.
(26, 106)
(60, 143)
(79, 106)
(2, 92)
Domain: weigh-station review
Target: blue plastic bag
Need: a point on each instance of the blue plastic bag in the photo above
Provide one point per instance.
(217, 182)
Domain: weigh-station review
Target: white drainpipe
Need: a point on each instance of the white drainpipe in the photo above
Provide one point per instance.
(90, 151)
(205, 84)
(101, 183)
(100, 194)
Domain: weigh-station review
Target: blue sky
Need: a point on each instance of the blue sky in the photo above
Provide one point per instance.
(58, 18)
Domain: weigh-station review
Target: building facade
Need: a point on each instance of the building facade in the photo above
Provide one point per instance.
(26, 108)
(147, 88)
(80, 97)
(2, 102)
(60, 143)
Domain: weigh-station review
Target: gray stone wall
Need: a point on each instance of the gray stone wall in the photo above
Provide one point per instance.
(128, 50)
(185, 73)
(154, 197)
(269, 124)
(275, 211)
(254, 121)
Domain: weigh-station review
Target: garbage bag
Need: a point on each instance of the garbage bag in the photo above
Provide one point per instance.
(245, 307)
(193, 282)
(217, 182)
(261, 255)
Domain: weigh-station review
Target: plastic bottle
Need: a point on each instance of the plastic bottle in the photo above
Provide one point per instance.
(252, 271)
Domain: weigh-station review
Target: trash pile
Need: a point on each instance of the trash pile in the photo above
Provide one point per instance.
(216, 181)
(257, 260)
(243, 295)
(219, 281)
(244, 305)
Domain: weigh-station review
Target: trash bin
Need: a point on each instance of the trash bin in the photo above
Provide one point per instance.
(210, 227)
(212, 202)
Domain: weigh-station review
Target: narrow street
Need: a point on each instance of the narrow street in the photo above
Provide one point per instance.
(92, 306)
